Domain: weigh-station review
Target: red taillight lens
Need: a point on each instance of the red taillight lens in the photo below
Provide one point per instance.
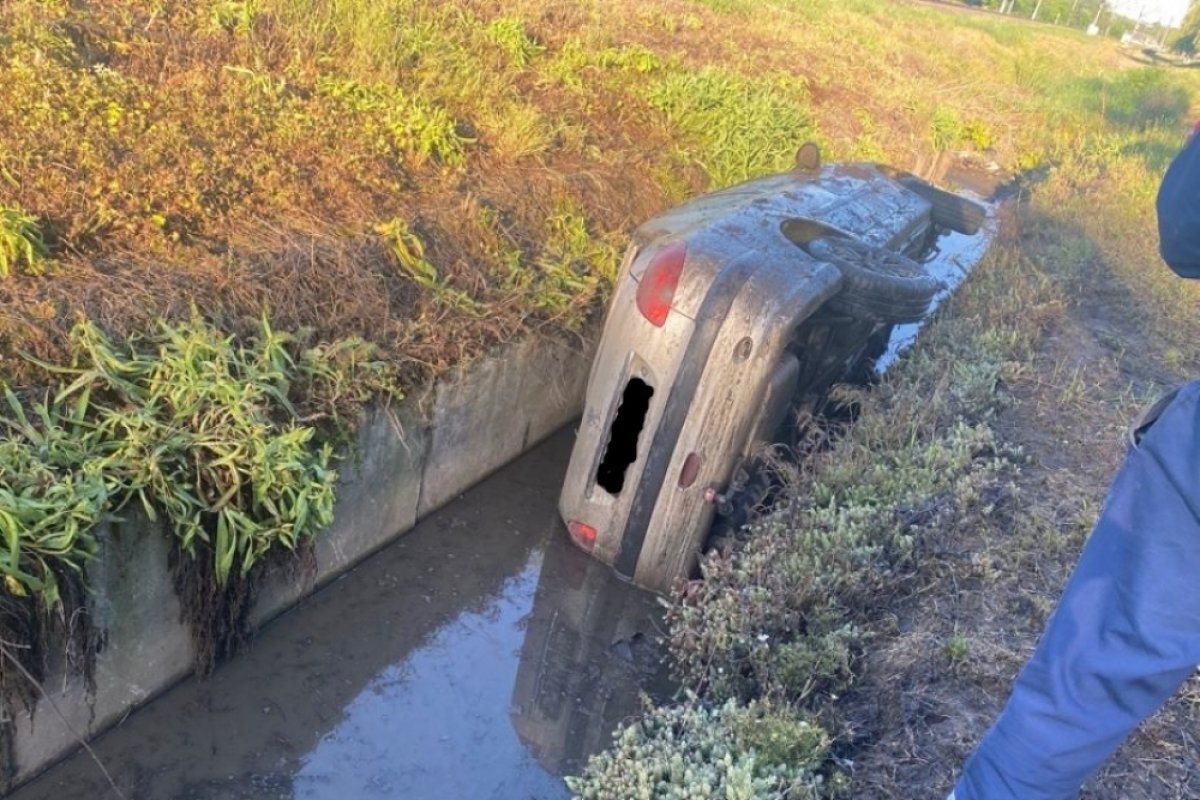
(582, 534)
(691, 468)
(657, 289)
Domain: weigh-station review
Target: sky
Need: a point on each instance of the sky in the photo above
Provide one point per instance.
(1165, 11)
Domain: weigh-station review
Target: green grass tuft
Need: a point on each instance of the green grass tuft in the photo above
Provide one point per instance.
(21, 244)
(742, 127)
(510, 34)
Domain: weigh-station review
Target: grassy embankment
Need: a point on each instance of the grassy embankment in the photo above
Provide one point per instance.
(224, 225)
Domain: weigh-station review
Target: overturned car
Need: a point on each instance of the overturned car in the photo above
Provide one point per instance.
(729, 311)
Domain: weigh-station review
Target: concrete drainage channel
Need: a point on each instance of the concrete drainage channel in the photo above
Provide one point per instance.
(413, 459)
(479, 656)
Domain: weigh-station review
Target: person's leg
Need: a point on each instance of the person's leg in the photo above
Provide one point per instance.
(1126, 632)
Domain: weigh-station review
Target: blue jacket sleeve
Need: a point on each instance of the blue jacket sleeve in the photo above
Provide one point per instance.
(1179, 212)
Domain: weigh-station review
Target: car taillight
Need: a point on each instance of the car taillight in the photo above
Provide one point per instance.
(582, 534)
(691, 468)
(657, 289)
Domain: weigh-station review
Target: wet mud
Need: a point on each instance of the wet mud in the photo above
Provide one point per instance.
(481, 656)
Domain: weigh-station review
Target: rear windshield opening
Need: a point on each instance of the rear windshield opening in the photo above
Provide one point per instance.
(622, 439)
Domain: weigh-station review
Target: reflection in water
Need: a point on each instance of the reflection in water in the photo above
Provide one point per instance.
(479, 657)
(590, 648)
(437, 719)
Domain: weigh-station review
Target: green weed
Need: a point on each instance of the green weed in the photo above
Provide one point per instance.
(510, 34)
(1135, 99)
(409, 250)
(957, 648)
(51, 498)
(21, 243)
(945, 128)
(518, 130)
(400, 124)
(194, 427)
(234, 16)
(948, 130)
(573, 268)
(579, 65)
(744, 127)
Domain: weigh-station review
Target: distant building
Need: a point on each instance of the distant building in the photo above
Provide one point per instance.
(1140, 39)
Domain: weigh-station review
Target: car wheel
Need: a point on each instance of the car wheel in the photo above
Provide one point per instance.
(877, 284)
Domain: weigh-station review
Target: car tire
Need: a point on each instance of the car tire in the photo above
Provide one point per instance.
(877, 284)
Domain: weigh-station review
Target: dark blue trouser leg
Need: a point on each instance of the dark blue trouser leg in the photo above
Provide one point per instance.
(1126, 632)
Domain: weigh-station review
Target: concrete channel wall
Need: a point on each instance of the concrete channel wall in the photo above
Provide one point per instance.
(412, 459)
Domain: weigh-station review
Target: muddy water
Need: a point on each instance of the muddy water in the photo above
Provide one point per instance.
(481, 656)
(950, 262)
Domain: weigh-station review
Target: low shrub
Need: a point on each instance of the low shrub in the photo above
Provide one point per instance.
(694, 752)
(196, 427)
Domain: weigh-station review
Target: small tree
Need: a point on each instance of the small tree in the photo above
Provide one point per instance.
(1185, 40)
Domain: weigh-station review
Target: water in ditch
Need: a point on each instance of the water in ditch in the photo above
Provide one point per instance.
(951, 260)
(481, 656)
(955, 254)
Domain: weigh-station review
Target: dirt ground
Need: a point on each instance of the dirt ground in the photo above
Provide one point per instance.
(923, 702)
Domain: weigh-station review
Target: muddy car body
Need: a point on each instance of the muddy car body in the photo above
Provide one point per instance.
(727, 311)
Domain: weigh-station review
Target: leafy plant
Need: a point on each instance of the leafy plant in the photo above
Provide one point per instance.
(409, 251)
(573, 268)
(234, 16)
(577, 65)
(945, 128)
(754, 752)
(198, 428)
(21, 243)
(510, 34)
(745, 126)
(400, 123)
(51, 498)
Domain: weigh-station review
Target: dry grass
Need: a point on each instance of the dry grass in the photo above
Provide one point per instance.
(240, 155)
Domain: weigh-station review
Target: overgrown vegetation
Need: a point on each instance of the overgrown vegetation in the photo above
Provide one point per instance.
(187, 425)
(737, 127)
